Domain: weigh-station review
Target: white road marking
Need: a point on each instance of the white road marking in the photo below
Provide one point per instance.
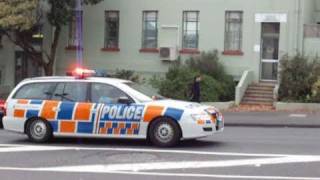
(133, 169)
(183, 164)
(31, 148)
(176, 174)
(173, 151)
(298, 115)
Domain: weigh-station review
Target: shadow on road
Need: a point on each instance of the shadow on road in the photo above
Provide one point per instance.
(120, 143)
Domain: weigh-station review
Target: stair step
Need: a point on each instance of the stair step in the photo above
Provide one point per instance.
(257, 103)
(259, 92)
(254, 88)
(260, 99)
(256, 95)
(264, 85)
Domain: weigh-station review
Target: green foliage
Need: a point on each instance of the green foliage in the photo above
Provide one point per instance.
(298, 76)
(208, 63)
(127, 74)
(17, 14)
(316, 91)
(18, 19)
(62, 10)
(216, 85)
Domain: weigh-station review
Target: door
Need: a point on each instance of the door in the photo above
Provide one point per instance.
(24, 67)
(270, 36)
(74, 114)
(117, 119)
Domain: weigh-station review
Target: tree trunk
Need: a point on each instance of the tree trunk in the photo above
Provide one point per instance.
(48, 68)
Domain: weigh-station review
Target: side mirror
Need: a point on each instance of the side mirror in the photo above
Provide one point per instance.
(124, 100)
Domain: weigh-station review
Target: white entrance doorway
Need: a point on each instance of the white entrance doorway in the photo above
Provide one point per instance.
(270, 36)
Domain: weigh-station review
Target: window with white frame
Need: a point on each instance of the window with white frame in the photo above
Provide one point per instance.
(190, 37)
(111, 29)
(233, 31)
(75, 25)
(150, 29)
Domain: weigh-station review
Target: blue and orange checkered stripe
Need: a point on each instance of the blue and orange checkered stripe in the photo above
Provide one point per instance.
(119, 128)
(70, 117)
(64, 117)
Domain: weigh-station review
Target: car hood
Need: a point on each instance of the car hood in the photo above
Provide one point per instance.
(179, 104)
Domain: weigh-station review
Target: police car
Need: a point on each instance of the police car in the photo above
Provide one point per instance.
(86, 106)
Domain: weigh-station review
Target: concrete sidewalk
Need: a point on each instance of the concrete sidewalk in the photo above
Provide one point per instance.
(272, 119)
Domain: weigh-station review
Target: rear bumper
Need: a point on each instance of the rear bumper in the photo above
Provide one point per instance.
(16, 125)
(1, 116)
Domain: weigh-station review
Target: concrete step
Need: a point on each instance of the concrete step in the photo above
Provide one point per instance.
(264, 84)
(258, 95)
(266, 93)
(256, 103)
(260, 99)
(254, 108)
(256, 88)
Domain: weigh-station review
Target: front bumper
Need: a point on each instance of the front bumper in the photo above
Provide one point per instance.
(202, 128)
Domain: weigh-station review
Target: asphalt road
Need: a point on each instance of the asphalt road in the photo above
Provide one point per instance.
(238, 153)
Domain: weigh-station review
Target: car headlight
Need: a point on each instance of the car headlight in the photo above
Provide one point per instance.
(203, 116)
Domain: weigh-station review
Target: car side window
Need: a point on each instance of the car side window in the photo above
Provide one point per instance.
(71, 91)
(40, 91)
(107, 94)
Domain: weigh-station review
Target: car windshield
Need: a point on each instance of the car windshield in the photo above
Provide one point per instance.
(145, 91)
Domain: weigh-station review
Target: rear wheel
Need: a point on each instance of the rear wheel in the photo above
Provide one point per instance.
(39, 131)
(164, 132)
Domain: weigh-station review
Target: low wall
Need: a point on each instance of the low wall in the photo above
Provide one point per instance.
(311, 47)
(246, 79)
(283, 106)
(220, 105)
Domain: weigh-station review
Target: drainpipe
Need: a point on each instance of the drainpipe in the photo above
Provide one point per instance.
(299, 27)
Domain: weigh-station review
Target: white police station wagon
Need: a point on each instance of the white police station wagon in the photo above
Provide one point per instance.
(82, 106)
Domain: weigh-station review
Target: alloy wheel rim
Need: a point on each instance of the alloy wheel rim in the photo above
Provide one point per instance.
(38, 129)
(164, 132)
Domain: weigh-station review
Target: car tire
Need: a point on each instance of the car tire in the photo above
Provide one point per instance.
(39, 131)
(164, 132)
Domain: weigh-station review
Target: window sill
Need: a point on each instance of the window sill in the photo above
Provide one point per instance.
(110, 49)
(149, 50)
(73, 48)
(189, 51)
(232, 53)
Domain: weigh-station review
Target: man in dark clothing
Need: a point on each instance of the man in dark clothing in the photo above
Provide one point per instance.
(195, 91)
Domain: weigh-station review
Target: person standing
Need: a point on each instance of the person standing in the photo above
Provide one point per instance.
(195, 89)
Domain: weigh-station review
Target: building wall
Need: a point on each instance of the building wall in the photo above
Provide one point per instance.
(6, 66)
(212, 27)
(8, 61)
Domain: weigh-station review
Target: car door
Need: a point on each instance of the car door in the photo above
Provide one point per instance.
(119, 116)
(74, 113)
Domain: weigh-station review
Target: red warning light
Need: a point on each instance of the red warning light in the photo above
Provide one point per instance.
(82, 73)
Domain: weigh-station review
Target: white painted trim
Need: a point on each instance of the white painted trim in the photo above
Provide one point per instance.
(271, 17)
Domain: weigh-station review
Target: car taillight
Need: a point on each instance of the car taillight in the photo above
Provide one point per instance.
(3, 108)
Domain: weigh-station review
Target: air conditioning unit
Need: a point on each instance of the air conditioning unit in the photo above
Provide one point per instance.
(168, 53)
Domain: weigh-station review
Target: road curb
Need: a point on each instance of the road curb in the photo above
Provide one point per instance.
(271, 125)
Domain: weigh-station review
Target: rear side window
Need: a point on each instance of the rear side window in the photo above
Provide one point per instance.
(71, 91)
(40, 91)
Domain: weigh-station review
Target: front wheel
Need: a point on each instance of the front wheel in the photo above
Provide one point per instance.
(39, 131)
(164, 133)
